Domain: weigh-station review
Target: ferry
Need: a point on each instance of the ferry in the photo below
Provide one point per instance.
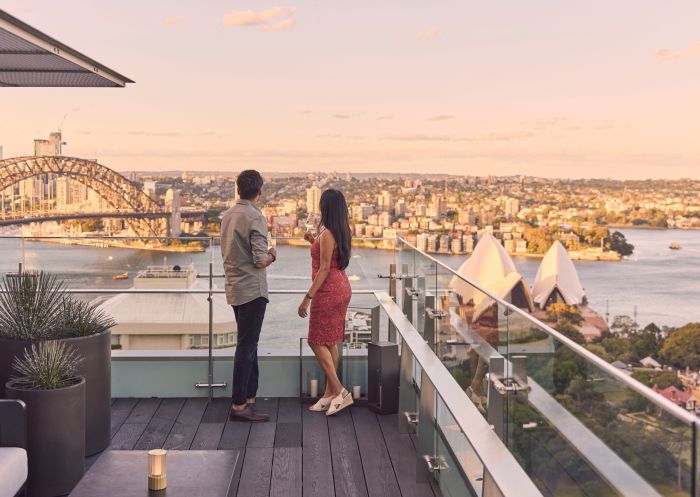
(675, 246)
(121, 276)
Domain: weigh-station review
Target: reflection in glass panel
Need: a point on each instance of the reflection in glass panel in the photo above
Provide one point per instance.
(580, 427)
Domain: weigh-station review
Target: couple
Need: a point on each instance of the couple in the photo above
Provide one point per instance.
(246, 254)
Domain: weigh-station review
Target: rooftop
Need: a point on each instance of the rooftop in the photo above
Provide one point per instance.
(354, 453)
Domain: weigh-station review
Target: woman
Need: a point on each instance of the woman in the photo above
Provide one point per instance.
(329, 297)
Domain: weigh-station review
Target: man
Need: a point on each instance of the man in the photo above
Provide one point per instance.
(246, 255)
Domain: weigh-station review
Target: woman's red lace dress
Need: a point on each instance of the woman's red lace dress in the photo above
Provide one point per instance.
(330, 304)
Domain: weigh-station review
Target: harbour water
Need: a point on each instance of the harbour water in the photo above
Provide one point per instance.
(659, 284)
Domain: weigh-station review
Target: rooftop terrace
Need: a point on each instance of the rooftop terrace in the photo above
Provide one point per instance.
(298, 453)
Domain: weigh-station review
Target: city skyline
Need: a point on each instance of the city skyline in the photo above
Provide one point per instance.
(543, 90)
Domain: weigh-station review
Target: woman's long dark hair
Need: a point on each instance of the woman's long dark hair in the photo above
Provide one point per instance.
(335, 218)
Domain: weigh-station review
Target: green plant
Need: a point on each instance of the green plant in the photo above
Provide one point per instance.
(81, 319)
(46, 366)
(29, 305)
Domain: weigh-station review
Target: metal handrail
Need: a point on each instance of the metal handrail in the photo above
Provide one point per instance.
(586, 354)
(506, 472)
(117, 291)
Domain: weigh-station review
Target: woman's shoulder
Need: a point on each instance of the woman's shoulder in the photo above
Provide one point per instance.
(327, 234)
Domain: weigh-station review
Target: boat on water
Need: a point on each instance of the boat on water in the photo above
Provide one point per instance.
(675, 246)
(121, 276)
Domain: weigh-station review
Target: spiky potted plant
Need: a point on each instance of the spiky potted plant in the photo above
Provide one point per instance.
(34, 307)
(46, 379)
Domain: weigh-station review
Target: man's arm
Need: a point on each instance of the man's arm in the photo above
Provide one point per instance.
(262, 257)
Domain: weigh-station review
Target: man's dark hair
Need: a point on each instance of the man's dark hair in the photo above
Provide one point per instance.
(249, 184)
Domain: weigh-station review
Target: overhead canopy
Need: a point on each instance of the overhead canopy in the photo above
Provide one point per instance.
(557, 276)
(29, 57)
(491, 268)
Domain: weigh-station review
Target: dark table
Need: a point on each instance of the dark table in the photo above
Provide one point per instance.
(191, 473)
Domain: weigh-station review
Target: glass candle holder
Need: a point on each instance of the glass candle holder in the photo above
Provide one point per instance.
(156, 469)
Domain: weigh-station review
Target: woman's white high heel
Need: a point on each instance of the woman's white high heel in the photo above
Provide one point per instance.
(322, 405)
(340, 402)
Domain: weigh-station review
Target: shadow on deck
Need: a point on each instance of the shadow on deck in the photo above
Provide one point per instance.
(297, 453)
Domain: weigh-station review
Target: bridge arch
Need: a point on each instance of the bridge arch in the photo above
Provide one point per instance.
(120, 193)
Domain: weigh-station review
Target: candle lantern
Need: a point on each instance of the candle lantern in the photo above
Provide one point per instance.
(156, 469)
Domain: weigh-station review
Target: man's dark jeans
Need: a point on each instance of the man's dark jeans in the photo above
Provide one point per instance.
(249, 318)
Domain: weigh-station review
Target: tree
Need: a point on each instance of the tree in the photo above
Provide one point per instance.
(666, 379)
(569, 330)
(645, 343)
(619, 244)
(682, 348)
(562, 312)
(619, 349)
(624, 325)
(599, 350)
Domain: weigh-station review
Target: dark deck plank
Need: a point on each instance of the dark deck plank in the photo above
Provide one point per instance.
(286, 472)
(212, 425)
(135, 424)
(263, 434)
(379, 472)
(403, 457)
(235, 435)
(316, 456)
(256, 472)
(159, 427)
(121, 408)
(289, 410)
(185, 427)
(348, 474)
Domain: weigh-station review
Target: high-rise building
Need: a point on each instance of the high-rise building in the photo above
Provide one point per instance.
(511, 207)
(50, 147)
(172, 204)
(313, 197)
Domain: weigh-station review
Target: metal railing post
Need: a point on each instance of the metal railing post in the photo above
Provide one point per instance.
(210, 298)
(431, 322)
(393, 294)
(496, 399)
(425, 433)
(408, 415)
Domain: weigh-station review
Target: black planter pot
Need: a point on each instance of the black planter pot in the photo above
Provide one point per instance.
(55, 437)
(9, 349)
(97, 371)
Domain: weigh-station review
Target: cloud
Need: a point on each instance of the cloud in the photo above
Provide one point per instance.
(488, 137)
(169, 133)
(342, 116)
(172, 20)
(279, 26)
(274, 19)
(385, 118)
(689, 53)
(428, 33)
(441, 117)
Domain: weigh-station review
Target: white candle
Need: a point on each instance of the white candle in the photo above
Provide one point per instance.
(356, 392)
(314, 388)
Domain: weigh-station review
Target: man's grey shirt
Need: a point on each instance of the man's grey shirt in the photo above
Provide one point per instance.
(244, 244)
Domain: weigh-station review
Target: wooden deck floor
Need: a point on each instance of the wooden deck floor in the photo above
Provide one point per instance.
(298, 453)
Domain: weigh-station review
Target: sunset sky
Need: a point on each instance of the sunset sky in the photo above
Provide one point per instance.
(540, 87)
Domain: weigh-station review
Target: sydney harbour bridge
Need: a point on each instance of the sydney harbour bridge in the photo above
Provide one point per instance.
(122, 199)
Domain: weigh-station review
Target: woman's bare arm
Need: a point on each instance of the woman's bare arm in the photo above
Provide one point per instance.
(327, 245)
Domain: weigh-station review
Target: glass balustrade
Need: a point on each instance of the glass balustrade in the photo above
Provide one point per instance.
(576, 424)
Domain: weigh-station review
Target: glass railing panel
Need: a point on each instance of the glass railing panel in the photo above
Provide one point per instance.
(106, 262)
(460, 472)
(581, 427)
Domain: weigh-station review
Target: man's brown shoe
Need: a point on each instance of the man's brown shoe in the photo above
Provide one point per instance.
(249, 415)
